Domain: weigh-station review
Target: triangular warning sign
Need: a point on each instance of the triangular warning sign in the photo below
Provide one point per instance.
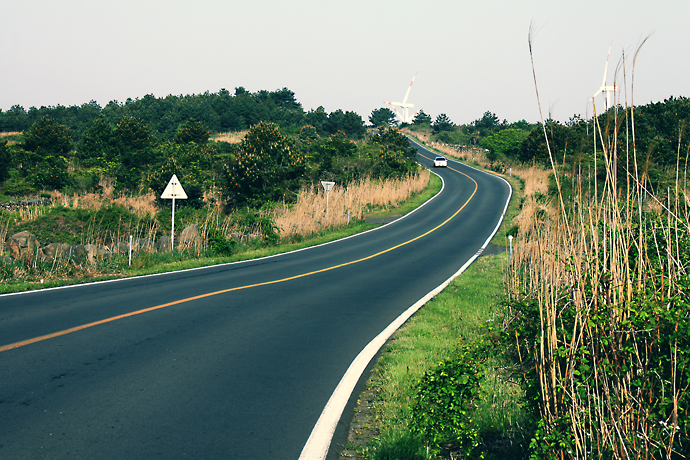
(174, 190)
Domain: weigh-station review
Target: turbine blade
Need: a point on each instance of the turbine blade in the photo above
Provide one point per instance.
(606, 68)
(410, 87)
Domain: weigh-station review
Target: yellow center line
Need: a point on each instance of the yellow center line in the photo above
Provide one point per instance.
(189, 299)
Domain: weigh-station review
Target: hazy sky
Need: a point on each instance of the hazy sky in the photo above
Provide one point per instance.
(472, 56)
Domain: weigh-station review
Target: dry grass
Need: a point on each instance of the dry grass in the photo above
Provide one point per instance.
(231, 137)
(459, 152)
(308, 215)
(3, 234)
(536, 185)
(572, 259)
(140, 205)
(10, 133)
(536, 179)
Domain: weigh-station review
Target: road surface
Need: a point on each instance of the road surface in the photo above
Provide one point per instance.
(234, 361)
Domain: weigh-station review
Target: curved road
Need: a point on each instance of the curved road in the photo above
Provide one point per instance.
(233, 361)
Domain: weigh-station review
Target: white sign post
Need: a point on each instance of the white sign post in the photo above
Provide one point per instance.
(173, 191)
(327, 185)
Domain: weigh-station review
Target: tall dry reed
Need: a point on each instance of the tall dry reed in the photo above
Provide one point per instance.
(308, 215)
(141, 205)
(591, 266)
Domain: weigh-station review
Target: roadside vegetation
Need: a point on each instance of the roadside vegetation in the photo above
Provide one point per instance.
(251, 234)
(79, 195)
(598, 298)
(443, 386)
(577, 346)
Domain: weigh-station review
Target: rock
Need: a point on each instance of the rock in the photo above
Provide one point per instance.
(23, 244)
(163, 244)
(121, 248)
(190, 237)
(55, 250)
(94, 253)
(77, 253)
(142, 244)
(16, 204)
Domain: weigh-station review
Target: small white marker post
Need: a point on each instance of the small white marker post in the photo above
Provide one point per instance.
(173, 191)
(327, 185)
(510, 239)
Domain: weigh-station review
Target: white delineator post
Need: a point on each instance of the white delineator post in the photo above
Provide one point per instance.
(327, 185)
(173, 191)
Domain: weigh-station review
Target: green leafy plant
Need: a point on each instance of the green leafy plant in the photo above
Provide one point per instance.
(219, 244)
(249, 222)
(446, 396)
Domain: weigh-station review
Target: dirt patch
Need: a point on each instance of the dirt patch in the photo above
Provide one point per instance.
(363, 427)
(492, 249)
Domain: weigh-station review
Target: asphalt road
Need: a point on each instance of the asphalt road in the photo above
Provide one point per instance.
(234, 361)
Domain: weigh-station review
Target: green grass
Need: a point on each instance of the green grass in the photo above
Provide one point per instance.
(465, 313)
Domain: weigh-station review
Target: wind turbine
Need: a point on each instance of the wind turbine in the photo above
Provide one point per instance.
(605, 89)
(404, 105)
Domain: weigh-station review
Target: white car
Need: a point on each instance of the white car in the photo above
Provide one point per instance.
(440, 162)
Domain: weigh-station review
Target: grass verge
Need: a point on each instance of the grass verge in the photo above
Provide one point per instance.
(463, 315)
(467, 315)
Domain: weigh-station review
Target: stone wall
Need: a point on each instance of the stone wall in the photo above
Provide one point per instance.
(24, 245)
(24, 204)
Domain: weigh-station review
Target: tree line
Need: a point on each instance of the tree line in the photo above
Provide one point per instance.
(219, 112)
(660, 132)
(270, 164)
(137, 142)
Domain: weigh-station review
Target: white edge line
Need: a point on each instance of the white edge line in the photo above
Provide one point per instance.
(320, 438)
(33, 291)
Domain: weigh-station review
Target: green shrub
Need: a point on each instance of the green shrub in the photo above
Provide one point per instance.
(219, 244)
(445, 400)
(17, 186)
(248, 221)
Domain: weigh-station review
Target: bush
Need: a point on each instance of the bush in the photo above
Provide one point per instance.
(446, 397)
(249, 222)
(219, 244)
(268, 167)
(17, 186)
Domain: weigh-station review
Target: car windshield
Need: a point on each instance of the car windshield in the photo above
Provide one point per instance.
(440, 159)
